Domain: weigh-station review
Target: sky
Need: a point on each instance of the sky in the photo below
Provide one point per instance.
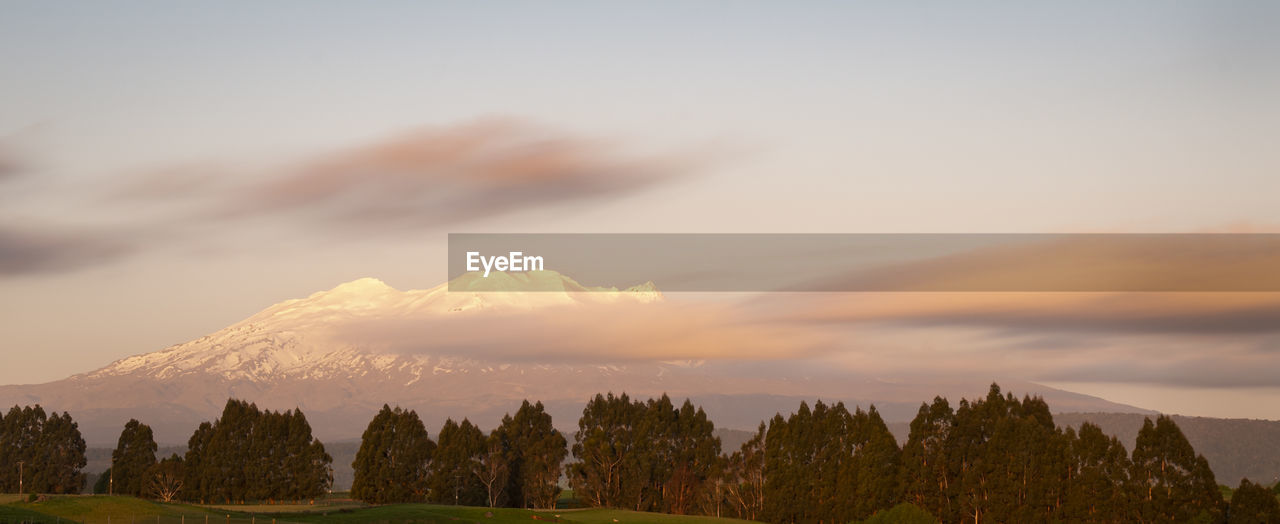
(169, 169)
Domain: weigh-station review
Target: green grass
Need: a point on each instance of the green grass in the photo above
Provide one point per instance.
(431, 513)
(96, 509)
(13, 514)
(81, 507)
(608, 516)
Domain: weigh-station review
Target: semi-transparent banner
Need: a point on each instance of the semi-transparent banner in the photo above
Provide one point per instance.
(867, 262)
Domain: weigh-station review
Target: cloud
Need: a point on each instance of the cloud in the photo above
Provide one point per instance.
(1081, 263)
(424, 179)
(436, 177)
(1180, 339)
(596, 333)
(37, 250)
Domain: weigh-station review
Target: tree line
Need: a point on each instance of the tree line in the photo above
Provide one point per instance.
(996, 459)
(993, 459)
(516, 465)
(40, 453)
(246, 454)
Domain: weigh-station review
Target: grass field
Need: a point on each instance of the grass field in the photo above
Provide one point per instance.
(121, 510)
(430, 513)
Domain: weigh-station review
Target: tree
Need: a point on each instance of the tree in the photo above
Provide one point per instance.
(455, 463)
(695, 451)
(493, 470)
(103, 484)
(927, 478)
(604, 444)
(60, 457)
(876, 463)
(132, 460)
(393, 462)
(198, 473)
(165, 478)
(648, 456)
(1171, 483)
(1253, 504)
(255, 455)
(744, 477)
(1100, 474)
(535, 454)
(40, 453)
(809, 475)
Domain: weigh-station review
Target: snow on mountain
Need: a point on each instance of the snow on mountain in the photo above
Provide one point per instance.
(296, 338)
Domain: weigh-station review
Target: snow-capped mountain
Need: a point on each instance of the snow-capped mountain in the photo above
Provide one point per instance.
(458, 351)
(302, 338)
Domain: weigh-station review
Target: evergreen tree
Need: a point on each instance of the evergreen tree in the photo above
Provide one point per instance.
(198, 473)
(876, 463)
(1171, 484)
(249, 454)
(535, 452)
(928, 481)
(455, 464)
(1253, 504)
(40, 453)
(695, 456)
(60, 456)
(605, 445)
(1100, 474)
(394, 459)
(133, 458)
(103, 483)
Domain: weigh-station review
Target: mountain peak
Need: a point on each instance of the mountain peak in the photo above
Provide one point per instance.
(362, 286)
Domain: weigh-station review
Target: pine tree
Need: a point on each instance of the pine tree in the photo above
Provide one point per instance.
(393, 462)
(133, 458)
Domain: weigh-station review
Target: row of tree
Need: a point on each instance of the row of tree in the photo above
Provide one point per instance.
(997, 459)
(516, 465)
(246, 454)
(251, 454)
(646, 456)
(41, 453)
